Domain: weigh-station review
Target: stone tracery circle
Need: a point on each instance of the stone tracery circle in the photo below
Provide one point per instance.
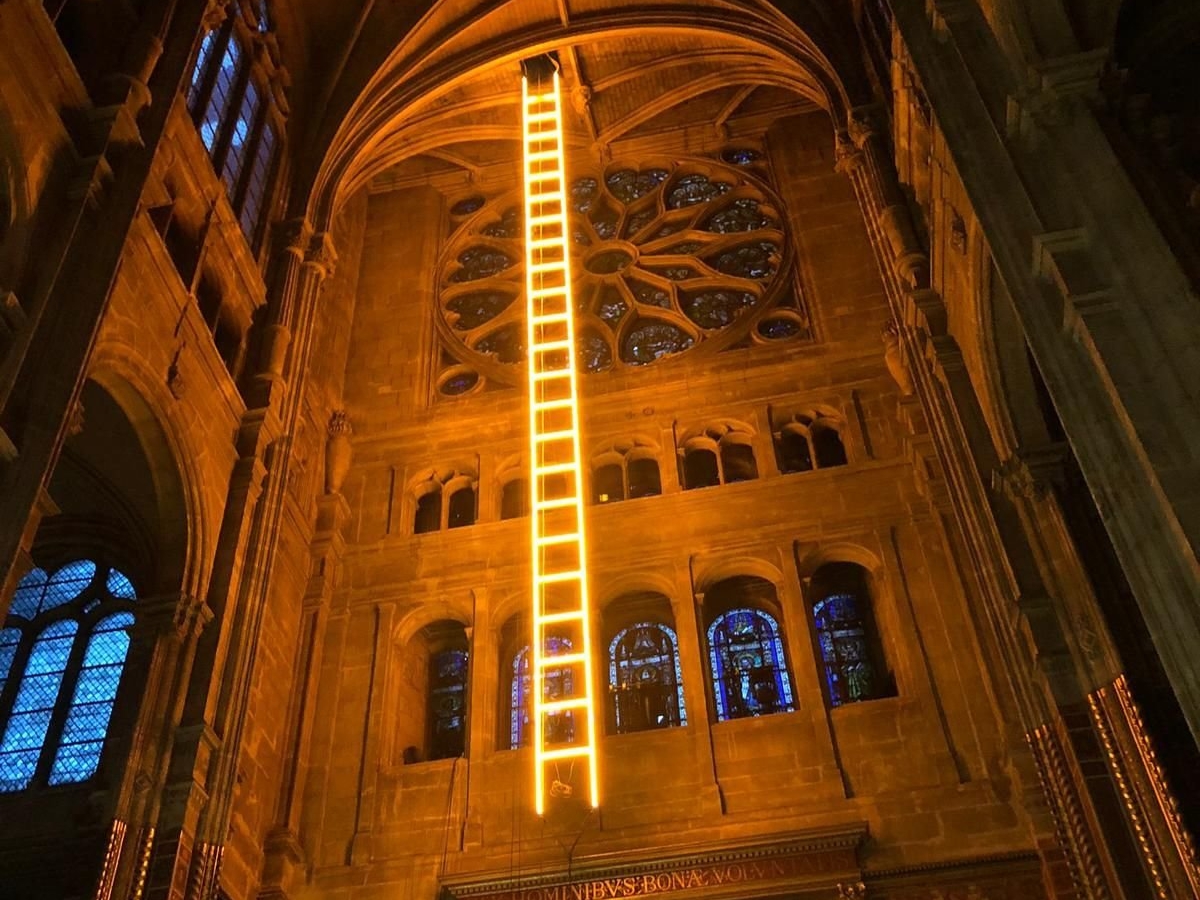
(668, 257)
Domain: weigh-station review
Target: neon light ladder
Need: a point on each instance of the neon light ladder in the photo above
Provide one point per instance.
(564, 732)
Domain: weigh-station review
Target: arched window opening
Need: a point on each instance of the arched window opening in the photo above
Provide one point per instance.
(737, 462)
(608, 483)
(514, 499)
(559, 683)
(644, 680)
(847, 639)
(429, 512)
(827, 443)
(447, 704)
(231, 96)
(462, 507)
(793, 451)
(810, 440)
(745, 651)
(62, 653)
(644, 478)
(700, 468)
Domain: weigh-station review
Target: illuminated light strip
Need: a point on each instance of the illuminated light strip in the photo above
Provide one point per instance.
(554, 449)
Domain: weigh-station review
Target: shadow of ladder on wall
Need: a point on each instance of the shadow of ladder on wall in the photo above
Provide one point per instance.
(563, 712)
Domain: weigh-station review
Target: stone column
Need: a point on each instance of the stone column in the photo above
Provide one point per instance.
(285, 861)
(1108, 313)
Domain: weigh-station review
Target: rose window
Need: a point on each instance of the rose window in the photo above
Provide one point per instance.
(688, 257)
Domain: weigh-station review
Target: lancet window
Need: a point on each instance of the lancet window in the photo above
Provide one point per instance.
(747, 663)
(447, 704)
(847, 640)
(234, 95)
(558, 682)
(62, 654)
(644, 680)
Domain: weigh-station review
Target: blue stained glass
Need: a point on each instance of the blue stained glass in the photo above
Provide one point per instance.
(218, 103)
(200, 69)
(9, 638)
(748, 670)
(557, 682)
(239, 140)
(91, 706)
(256, 186)
(447, 703)
(644, 678)
(25, 730)
(120, 586)
(842, 637)
(28, 595)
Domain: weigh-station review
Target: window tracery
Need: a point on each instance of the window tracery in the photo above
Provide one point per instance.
(62, 653)
(671, 256)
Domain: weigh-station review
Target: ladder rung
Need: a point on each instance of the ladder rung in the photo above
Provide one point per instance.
(559, 577)
(539, 98)
(566, 752)
(549, 292)
(554, 469)
(557, 503)
(555, 618)
(563, 659)
(548, 266)
(550, 373)
(540, 117)
(537, 243)
(548, 436)
(545, 220)
(558, 538)
(553, 404)
(553, 706)
(537, 177)
(557, 196)
(551, 346)
(540, 154)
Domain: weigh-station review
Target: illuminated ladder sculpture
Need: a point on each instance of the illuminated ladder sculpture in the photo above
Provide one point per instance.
(564, 732)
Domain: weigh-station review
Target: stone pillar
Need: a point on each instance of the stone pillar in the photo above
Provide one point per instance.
(285, 861)
(1108, 313)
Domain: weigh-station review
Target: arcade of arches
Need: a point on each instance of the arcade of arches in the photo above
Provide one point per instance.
(887, 340)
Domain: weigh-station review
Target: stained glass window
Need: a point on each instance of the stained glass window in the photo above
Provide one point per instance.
(667, 258)
(222, 95)
(239, 140)
(746, 660)
(644, 681)
(256, 184)
(200, 70)
(558, 682)
(62, 652)
(447, 703)
(846, 638)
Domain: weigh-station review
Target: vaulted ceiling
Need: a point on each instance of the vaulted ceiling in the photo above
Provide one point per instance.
(430, 86)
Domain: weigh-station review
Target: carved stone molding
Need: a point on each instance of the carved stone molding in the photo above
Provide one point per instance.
(1167, 849)
(112, 857)
(1030, 473)
(1061, 790)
